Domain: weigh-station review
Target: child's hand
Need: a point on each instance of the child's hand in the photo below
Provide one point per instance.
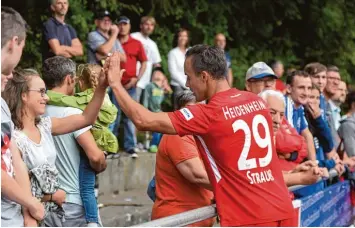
(59, 197)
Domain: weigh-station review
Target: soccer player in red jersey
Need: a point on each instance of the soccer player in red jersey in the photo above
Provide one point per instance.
(234, 136)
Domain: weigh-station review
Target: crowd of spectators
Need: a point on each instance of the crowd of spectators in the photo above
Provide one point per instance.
(58, 129)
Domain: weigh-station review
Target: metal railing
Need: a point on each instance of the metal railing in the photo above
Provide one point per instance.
(200, 214)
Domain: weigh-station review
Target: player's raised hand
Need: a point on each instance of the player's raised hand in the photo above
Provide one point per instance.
(113, 70)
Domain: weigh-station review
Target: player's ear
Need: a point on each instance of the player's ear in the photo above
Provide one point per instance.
(204, 76)
(247, 86)
(288, 88)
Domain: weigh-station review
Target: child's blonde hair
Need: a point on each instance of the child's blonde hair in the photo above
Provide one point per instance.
(89, 75)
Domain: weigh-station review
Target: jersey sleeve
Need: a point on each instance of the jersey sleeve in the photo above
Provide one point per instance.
(192, 120)
(184, 149)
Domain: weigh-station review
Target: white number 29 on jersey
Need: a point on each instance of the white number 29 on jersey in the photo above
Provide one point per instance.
(244, 163)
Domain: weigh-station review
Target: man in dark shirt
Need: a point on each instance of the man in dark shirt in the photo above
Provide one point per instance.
(60, 38)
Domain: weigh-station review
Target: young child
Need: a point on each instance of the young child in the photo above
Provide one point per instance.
(87, 82)
(153, 97)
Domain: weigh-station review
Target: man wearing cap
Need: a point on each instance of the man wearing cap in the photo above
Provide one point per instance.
(60, 38)
(103, 40)
(135, 52)
(151, 50)
(259, 77)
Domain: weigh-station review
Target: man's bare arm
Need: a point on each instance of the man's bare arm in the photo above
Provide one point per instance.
(144, 119)
(58, 49)
(95, 155)
(193, 170)
(142, 70)
(76, 49)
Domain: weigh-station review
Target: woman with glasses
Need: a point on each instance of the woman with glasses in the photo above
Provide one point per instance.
(26, 97)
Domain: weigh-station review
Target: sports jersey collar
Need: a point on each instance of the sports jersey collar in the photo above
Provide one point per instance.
(130, 39)
(222, 93)
(57, 22)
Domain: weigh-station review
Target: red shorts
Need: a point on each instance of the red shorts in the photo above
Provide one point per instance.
(292, 222)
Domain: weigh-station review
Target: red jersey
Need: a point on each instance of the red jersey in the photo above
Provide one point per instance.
(134, 52)
(234, 137)
(280, 85)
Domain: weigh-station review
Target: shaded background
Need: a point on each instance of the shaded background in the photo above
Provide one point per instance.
(296, 32)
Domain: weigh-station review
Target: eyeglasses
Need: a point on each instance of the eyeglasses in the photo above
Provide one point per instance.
(263, 80)
(41, 91)
(334, 79)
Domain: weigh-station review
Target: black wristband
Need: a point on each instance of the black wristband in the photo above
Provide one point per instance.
(51, 198)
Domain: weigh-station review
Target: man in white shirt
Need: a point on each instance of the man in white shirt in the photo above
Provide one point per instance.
(151, 50)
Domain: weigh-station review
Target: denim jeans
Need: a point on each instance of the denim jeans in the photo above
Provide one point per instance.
(156, 137)
(151, 189)
(129, 131)
(87, 193)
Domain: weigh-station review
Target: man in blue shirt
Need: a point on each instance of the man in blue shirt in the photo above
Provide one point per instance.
(299, 86)
(220, 41)
(60, 38)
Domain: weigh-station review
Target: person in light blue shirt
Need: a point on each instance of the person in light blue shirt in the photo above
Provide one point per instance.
(103, 40)
(332, 113)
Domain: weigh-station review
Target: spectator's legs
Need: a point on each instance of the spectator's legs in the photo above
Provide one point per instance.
(114, 127)
(130, 140)
(176, 91)
(87, 193)
(139, 92)
(156, 136)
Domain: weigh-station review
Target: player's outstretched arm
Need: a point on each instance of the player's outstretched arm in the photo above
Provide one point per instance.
(142, 118)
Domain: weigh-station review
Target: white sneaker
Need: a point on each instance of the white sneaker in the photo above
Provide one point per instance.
(134, 155)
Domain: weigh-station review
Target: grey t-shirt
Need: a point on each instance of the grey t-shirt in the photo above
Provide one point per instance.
(11, 214)
(68, 155)
(95, 40)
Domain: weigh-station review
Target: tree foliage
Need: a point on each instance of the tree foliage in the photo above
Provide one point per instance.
(296, 32)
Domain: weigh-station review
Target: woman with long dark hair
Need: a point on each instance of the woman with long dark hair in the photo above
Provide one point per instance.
(176, 59)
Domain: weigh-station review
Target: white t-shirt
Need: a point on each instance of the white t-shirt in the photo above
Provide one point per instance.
(176, 60)
(68, 156)
(37, 154)
(153, 56)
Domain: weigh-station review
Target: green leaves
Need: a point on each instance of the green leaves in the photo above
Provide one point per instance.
(296, 32)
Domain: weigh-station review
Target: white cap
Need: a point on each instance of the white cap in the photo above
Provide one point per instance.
(259, 70)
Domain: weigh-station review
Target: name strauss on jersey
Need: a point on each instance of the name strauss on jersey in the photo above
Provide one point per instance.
(260, 177)
(244, 109)
(236, 111)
